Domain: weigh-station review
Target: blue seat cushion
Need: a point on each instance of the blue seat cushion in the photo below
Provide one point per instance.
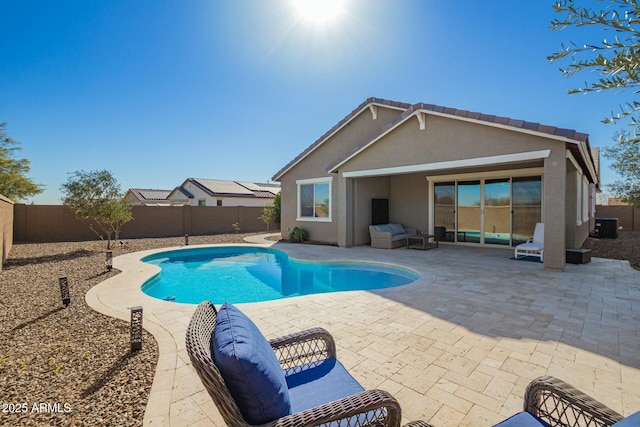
(632, 420)
(249, 367)
(319, 383)
(523, 419)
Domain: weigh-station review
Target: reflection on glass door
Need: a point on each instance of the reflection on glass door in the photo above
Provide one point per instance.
(469, 211)
(527, 207)
(497, 212)
(444, 214)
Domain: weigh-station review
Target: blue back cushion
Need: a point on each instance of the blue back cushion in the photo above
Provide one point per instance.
(249, 367)
(522, 419)
(631, 421)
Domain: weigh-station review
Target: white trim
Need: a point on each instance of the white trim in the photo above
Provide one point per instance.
(326, 138)
(585, 199)
(569, 155)
(508, 173)
(452, 164)
(578, 198)
(314, 180)
(374, 111)
(309, 181)
(581, 145)
(422, 119)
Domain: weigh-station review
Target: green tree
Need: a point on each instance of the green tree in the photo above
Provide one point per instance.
(277, 203)
(96, 198)
(14, 183)
(615, 58)
(268, 215)
(626, 157)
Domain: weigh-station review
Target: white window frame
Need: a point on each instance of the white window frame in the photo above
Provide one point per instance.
(299, 184)
(579, 198)
(585, 199)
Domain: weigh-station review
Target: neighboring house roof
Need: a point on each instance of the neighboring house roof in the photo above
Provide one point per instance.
(222, 188)
(419, 109)
(182, 191)
(147, 196)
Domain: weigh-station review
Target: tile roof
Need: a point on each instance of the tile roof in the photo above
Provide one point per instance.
(345, 120)
(410, 109)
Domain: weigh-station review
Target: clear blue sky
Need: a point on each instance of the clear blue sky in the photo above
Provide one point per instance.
(159, 91)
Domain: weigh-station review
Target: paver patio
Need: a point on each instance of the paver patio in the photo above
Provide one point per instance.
(456, 348)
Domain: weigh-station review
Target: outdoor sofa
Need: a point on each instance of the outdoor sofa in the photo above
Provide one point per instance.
(293, 381)
(389, 236)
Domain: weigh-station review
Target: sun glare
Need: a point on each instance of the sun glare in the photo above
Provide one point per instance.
(319, 11)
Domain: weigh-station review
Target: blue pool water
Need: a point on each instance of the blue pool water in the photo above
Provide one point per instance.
(249, 274)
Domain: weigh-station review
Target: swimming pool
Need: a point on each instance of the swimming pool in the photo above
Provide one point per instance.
(238, 274)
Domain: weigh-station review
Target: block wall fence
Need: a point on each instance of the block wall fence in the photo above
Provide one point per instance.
(628, 217)
(57, 223)
(6, 228)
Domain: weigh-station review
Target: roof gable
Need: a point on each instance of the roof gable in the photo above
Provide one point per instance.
(420, 109)
(369, 102)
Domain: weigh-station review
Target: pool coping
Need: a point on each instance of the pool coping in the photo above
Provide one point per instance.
(177, 396)
(163, 319)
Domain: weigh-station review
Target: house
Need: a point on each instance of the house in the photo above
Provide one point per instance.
(474, 178)
(216, 192)
(147, 197)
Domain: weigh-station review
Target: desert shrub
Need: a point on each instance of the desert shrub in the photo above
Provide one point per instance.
(298, 235)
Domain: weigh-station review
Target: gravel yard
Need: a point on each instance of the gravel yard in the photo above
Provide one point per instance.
(72, 363)
(626, 246)
(72, 366)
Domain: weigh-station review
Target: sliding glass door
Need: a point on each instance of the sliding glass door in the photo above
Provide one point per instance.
(444, 213)
(527, 207)
(497, 212)
(469, 211)
(500, 211)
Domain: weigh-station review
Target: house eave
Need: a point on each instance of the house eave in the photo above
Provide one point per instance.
(418, 113)
(370, 104)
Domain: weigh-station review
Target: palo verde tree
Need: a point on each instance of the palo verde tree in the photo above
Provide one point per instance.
(14, 183)
(96, 198)
(626, 157)
(615, 55)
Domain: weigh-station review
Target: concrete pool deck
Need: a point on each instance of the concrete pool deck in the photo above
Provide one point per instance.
(456, 348)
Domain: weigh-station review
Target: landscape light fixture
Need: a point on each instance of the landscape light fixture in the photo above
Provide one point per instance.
(64, 290)
(109, 260)
(186, 240)
(136, 328)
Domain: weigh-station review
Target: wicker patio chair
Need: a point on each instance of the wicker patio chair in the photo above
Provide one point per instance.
(559, 404)
(368, 408)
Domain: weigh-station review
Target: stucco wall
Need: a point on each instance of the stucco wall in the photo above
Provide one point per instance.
(443, 140)
(6, 228)
(361, 128)
(365, 190)
(409, 202)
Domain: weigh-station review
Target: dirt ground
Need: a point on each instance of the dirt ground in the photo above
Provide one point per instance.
(626, 246)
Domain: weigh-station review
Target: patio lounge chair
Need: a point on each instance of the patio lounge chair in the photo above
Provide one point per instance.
(534, 246)
(550, 401)
(290, 381)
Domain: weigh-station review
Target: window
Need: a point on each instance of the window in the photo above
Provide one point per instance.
(585, 199)
(202, 202)
(314, 199)
(218, 202)
(579, 198)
